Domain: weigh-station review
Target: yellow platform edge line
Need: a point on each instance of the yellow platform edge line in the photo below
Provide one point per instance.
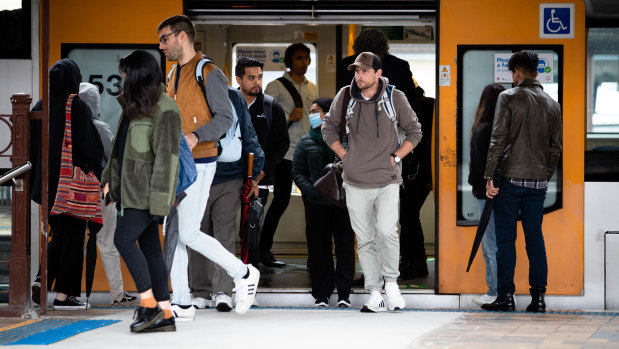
(25, 323)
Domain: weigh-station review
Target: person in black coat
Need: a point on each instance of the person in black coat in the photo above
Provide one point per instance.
(324, 221)
(395, 69)
(480, 142)
(65, 250)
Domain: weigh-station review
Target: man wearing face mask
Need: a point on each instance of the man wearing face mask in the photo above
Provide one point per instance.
(325, 221)
(295, 94)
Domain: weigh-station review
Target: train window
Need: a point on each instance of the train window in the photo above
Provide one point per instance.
(272, 55)
(476, 69)
(422, 60)
(15, 28)
(603, 88)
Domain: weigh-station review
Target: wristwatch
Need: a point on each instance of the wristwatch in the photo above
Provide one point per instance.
(396, 158)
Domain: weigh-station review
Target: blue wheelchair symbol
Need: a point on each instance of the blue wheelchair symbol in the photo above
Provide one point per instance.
(557, 20)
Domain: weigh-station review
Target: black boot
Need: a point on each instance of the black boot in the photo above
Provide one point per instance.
(504, 302)
(162, 325)
(537, 300)
(145, 317)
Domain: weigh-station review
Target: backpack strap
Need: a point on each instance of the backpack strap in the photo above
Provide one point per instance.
(200, 80)
(268, 109)
(344, 113)
(296, 97)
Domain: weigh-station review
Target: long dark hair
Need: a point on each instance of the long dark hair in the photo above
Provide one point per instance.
(487, 105)
(142, 81)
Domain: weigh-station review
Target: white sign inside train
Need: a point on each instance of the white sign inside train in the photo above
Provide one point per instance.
(545, 68)
(556, 21)
(271, 56)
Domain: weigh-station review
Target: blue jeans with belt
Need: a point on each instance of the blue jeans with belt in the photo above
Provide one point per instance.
(529, 202)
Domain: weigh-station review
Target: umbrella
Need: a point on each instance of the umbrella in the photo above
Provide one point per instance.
(170, 230)
(91, 255)
(484, 219)
(245, 208)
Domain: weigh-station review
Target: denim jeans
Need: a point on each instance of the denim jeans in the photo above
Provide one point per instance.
(190, 213)
(529, 202)
(488, 247)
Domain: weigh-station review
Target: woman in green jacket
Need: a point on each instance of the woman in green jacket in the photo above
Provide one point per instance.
(140, 178)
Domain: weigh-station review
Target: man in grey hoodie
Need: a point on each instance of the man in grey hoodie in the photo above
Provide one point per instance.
(373, 172)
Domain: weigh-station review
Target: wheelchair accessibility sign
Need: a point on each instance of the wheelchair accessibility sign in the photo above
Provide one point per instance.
(556, 21)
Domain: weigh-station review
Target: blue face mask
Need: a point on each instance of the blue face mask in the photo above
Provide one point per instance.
(315, 120)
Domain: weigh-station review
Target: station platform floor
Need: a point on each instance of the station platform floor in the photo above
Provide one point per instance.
(308, 327)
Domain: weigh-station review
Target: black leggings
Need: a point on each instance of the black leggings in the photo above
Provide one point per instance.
(65, 254)
(281, 198)
(145, 263)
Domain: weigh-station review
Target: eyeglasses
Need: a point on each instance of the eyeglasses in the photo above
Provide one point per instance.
(163, 39)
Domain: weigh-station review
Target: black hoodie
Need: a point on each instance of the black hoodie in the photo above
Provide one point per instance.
(64, 79)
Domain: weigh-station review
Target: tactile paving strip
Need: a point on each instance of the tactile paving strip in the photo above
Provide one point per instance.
(48, 331)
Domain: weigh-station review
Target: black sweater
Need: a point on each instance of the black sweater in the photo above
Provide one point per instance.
(479, 153)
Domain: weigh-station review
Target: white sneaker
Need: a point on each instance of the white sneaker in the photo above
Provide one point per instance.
(246, 290)
(375, 304)
(223, 302)
(484, 299)
(394, 297)
(201, 303)
(181, 314)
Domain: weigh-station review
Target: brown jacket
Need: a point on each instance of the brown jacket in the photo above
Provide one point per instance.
(195, 114)
(371, 137)
(527, 131)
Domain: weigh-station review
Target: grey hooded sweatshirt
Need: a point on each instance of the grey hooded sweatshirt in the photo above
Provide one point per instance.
(371, 136)
(89, 93)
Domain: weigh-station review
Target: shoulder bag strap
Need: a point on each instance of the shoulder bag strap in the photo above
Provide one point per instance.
(345, 102)
(67, 143)
(296, 97)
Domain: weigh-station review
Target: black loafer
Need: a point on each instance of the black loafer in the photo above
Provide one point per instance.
(145, 317)
(162, 325)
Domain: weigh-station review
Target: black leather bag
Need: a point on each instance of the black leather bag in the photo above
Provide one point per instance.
(329, 185)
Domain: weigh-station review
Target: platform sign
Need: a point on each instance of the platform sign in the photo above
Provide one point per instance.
(545, 68)
(271, 56)
(556, 21)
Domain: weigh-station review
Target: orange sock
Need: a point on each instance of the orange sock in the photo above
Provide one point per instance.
(148, 302)
(167, 313)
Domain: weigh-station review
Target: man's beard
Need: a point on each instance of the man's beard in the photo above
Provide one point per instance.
(367, 86)
(253, 94)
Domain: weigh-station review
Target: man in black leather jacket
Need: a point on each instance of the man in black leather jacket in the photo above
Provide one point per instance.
(527, 134)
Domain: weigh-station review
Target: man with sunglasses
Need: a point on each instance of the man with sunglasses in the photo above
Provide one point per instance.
(203, 125)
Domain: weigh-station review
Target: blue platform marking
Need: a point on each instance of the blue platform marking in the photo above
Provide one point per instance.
(50, 331)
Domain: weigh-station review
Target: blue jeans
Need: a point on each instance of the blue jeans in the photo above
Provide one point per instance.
(488, 246)
(530, 203)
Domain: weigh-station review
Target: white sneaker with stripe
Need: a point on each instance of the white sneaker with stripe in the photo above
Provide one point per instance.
(246, 290)
(375, 304)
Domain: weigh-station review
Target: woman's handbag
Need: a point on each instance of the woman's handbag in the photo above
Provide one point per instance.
(329, 185)
(78, 193)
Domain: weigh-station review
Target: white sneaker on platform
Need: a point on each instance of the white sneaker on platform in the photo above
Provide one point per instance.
(375, 304)
(484, 299)
(182, 314)
(394, 297)
(201, 303)
(223, 302)
(246, 290)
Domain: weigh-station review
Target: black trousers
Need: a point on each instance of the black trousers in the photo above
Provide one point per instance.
(412, 197)
(281, 198)
(145, 263)
(65, 254)
(324, 224)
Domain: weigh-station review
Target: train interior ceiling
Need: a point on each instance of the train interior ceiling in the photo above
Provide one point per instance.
(411, 37)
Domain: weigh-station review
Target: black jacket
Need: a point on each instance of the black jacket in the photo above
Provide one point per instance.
(418, 165)
(274, 140)
(479, 152)
(65, 79)
(307, 166)
(395, 69)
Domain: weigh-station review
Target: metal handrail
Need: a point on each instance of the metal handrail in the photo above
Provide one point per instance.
(16, 172)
